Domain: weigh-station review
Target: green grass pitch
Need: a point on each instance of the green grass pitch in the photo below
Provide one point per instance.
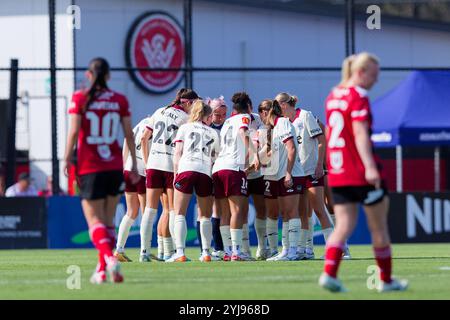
(42, 274)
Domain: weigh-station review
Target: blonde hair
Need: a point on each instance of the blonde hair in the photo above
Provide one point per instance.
(356, 62)
(199, 110)
(284, 97)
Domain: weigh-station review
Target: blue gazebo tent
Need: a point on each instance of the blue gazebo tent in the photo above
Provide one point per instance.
(415, 113)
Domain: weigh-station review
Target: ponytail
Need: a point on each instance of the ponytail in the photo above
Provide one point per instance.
(284, 97)
(274, 111)
(99, 68)
(356, 62)
(346, 71)
(199, 110)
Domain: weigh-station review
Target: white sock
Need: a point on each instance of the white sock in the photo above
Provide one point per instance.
(147, 229)
(124, 229)
(272, 233)
(310, 238)
(180, 231)
(285, 236)
(236, 240)
(327, 233)
(168, 246)
(160, 246)
(260, 228)
(206, 233)
(245, 238)
(172, 216)
(226, 237)
(302, 240)
(294, 234)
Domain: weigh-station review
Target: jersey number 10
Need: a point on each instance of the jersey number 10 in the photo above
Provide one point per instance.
(109, 124)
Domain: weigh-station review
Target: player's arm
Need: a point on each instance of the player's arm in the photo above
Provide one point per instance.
(364, 147)
(243, 133)
(321, 159)
(264, 149)
(129, 139)
(74, 129)
(291, 154)
(144, 143)
(177, 156)
(125, 151)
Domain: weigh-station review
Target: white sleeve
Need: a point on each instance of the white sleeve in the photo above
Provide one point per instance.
(285, 130)
(180, 134)
(312, 126)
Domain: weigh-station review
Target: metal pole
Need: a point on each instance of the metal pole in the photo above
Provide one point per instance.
(347, 36)
(55, 163)
(399, 168)
(187, 14)
(11, 125)
(352, 27)
(349, 27)
(437, 169)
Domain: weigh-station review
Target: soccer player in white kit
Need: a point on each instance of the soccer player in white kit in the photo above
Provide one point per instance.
(256, 191)
(285, 178)
(311, 151)
(197, 145)
(162, 129)
(229, 176)
(134, 193)
(270, 201)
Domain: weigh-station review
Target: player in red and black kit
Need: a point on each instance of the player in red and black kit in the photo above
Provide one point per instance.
(354, 175)
(96, 115)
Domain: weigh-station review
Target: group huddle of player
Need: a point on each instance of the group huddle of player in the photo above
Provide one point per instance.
(279, 155)
(274, 156)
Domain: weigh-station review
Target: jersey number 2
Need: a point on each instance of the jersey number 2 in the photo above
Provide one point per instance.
(336, 123)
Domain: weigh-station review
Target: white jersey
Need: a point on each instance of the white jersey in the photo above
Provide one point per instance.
(281, 133)
(307, 130)
(164, 123)
(138, 131)
(255, 125)
(232, 147)
(201, 144)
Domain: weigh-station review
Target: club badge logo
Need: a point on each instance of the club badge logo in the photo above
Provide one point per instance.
(155, 40)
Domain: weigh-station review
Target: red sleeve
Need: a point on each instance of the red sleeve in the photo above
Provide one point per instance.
(78, 99)
(124, 107)
(360, 110)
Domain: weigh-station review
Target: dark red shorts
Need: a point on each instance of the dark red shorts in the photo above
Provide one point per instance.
(256, 186)
(129, 187)
(157, 179)
(229, 183)
(275, 189)
(311, 182)
(189, 181)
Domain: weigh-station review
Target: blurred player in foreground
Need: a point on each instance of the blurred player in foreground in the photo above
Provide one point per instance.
(96, 115)
(354, 174)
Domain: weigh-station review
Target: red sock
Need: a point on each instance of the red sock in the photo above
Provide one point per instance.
(101, 266)
(384, 261)
(333, 256)
(101, 240)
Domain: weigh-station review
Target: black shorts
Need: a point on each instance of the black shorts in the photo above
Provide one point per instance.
(99, 185)
(366, 195)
